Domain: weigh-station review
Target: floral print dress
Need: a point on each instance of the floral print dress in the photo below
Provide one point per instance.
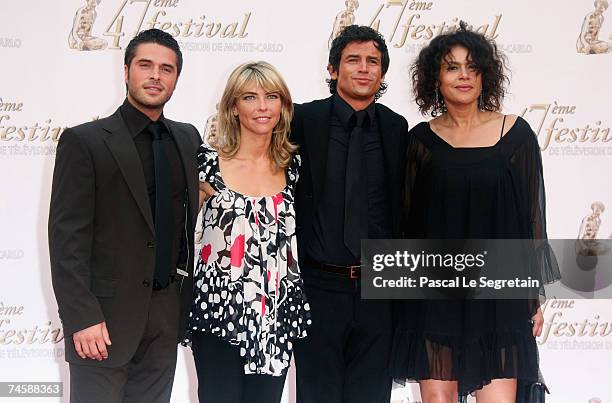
(248, 289)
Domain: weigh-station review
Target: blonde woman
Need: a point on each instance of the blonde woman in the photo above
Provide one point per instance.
(249, 304)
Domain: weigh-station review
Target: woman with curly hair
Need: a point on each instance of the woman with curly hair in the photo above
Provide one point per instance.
(249, 306)
(472, 173)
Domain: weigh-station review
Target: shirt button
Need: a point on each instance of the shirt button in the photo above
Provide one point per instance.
(150, 244)
(146, 283)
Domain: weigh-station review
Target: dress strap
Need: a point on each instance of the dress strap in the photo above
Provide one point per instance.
(502, 130)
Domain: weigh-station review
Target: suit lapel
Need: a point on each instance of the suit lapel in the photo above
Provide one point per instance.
(316, 135)
(188, 158)
(121, 145)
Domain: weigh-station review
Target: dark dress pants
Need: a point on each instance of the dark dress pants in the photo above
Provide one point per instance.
(221, 377)
(149, 375)
(345, 357)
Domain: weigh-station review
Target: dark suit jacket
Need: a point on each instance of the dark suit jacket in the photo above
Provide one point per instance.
(102, 236)
(310, 130)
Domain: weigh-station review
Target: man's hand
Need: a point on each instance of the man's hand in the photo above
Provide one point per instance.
(538, 322)
(91, 342)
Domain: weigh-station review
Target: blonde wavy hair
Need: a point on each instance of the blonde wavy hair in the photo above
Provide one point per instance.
(227, 140)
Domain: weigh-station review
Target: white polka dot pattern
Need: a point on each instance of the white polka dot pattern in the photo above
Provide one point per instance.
(248, 289)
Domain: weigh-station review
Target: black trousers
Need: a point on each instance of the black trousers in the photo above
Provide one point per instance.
(149, 375)
(345, 357)
(221, 377)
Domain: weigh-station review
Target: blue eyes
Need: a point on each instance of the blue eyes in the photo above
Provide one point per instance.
(253, 97)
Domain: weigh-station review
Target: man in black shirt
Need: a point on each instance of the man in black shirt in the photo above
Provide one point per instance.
(124, 202)
(353, 160)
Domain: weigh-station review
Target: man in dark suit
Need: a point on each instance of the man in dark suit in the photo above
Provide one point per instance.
(124, 202)
(353, 158)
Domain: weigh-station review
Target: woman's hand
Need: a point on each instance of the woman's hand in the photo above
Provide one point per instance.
(538, 322)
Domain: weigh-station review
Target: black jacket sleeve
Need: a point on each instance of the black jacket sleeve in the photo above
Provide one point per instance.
(71, 227)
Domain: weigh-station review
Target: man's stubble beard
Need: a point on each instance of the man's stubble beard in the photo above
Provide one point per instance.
(141, 99)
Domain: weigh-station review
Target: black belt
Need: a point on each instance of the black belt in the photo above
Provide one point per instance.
(351, 272)
(157, 286)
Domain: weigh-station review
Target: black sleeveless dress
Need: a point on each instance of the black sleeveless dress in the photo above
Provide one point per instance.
(494, 192)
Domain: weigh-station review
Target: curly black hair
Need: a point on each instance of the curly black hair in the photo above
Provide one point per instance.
(159, 37)
(490, 62)
(357, 33)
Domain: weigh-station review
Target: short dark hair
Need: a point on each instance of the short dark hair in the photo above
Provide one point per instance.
(157, 36)
(357, 33)
(490, 62)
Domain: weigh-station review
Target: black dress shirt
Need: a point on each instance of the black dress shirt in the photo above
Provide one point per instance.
(137, 123)
(327, 244)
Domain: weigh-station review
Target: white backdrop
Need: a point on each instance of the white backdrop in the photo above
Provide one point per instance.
(45, 86)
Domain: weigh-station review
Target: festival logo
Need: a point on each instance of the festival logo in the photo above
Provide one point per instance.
(409, 25)
(416, 28)
(585, 263)
(133, 16)
(588, 42)
(19, 139)
(559, 133)
(591, 223)
(343, 19)
(20, 337)
(81, 37)
(210, 129)
(405, 24)
(566, 329)
(592, 271)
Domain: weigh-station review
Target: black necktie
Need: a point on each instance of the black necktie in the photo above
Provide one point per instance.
(355, 203)
(163, 204)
